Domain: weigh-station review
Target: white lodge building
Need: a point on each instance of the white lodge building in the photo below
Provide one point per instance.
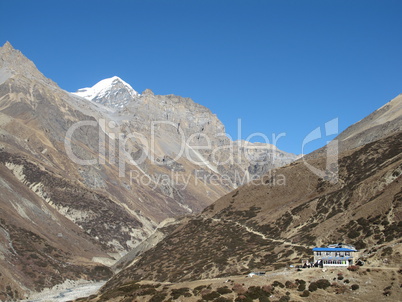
(335, 255)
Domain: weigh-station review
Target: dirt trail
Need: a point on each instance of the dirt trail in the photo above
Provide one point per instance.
(250, 230)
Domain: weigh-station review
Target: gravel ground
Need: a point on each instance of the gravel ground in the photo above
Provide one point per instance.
(66, 291)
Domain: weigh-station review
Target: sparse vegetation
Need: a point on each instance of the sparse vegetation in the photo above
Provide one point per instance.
(239, 289)
(158, 297)
(290, 284)
(211, 296)
(322, 283)
(339, 288)
(386, 251)
(284, 299)
(360, 244)
(312, 287)
(198, 289)
(353, 234)
(223, 299)
(301, 285)
(176, 293)
(305, 293)
(353, 268)
(224, 290)
(263, 299)
(277, 283)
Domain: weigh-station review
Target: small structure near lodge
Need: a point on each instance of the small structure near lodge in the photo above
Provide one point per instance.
(335, 255)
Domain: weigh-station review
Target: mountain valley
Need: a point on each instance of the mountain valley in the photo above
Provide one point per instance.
(148, 193)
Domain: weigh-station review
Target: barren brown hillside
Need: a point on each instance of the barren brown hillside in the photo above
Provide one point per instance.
(267, 226)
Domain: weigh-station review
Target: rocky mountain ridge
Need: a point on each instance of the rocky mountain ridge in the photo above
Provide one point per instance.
(179, 127)
(384, 121)
(77, 164)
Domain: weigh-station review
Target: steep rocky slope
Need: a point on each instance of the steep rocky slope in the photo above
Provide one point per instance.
(179, 135)
(275, 223)
(165, 228)
(384, 121)
(54, 225)
(35, 118)
(71, 173)
(39, 247)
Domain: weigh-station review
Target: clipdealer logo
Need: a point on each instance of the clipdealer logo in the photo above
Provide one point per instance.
(235, 153)
(330, 173)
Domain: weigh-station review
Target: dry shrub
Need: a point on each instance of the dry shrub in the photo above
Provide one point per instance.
(205, 291)
(267, 288)
(224, 290)
(239, 289)
(243, 298)
(305, 293)
(341, 289)
(353, 268)
(313, 287)
(322, 283)
(290, 284)
(211, 296)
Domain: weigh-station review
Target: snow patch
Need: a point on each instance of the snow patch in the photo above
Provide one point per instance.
(101, 88)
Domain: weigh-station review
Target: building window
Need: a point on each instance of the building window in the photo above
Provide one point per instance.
(347, 253)
(328, 253)
(318, 253)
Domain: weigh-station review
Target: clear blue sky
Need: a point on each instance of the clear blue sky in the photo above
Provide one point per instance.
(280, 66)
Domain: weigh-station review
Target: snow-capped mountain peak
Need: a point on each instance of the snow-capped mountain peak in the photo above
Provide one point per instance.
(112, 92)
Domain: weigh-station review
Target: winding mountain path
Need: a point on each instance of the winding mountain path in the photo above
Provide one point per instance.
(250, 230)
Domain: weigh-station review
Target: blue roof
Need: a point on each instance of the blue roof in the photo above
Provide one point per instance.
(333, 249)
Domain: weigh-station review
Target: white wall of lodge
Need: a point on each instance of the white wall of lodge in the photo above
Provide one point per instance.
(336, 263)
(337, 258)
